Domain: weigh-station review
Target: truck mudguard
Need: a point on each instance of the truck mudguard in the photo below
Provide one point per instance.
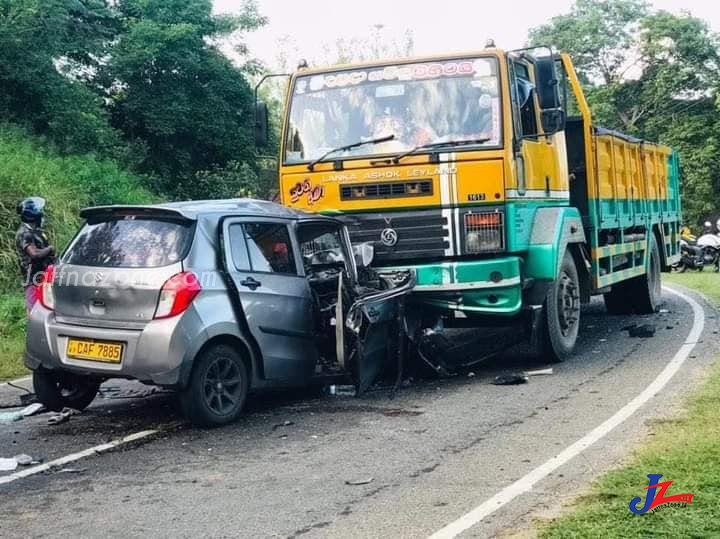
(553, 229)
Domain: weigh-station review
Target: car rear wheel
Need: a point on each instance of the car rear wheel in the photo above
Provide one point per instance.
(58, 389)
(217, 389)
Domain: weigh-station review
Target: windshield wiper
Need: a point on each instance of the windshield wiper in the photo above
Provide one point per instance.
(311, 164)
(395, 160)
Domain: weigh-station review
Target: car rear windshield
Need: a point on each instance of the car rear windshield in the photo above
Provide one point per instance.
(130, 242)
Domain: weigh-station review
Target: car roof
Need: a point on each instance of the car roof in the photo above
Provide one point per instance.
(193, 209)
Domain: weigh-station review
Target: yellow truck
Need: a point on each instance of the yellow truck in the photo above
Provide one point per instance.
(484, 173)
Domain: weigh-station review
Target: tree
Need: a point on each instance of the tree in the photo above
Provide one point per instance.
(48, 51)
(651, 74)
(598, 34)
(172, 89)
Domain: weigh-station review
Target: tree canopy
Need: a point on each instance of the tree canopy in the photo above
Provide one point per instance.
(140, 80)
(651, 74)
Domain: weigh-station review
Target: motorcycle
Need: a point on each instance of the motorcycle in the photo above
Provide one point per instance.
(709, 243)
(691, 256)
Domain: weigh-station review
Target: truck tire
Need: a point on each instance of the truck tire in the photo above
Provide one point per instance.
(217, 389)
(561, 318)
(646, 290)
(618, 300)
(57, 389)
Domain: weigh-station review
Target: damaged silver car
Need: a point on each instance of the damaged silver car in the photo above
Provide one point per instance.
(215, 299)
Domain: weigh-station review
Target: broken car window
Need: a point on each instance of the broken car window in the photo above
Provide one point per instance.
(131, 242)
(320, 244)
(269, 248)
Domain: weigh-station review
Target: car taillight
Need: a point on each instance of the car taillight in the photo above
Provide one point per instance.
(484, 232)
(177, 294)
(45, 291)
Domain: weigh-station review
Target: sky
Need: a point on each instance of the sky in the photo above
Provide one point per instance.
(448, 26)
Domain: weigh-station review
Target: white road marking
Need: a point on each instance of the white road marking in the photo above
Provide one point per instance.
(527, 482)
(76, 456)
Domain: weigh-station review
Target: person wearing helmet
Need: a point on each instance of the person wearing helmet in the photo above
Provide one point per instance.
(34, 251)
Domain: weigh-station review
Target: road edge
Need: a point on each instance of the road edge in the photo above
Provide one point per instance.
(528, 481)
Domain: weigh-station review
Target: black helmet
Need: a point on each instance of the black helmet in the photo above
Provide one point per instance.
(31, 209)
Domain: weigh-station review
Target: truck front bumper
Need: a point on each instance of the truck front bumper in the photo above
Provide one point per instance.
(492, 286)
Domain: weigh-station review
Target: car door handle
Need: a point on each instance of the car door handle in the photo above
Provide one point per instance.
(251, 283)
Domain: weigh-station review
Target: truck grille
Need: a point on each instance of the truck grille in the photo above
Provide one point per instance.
(386, 189)
(401, 235)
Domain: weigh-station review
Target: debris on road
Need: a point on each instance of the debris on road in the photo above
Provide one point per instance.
(664, 311)
(23, 460)
(8, 465)
(645, 331)
(62, 416)
(393, 412)
(10, 417)
(28, 398)
(72, 470)
(344, 390)
(510, 379)
(539, 372)
(283, 424)
(33, 409)
(471, 375)
(356, 482)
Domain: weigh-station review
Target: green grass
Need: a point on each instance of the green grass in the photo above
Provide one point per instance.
(28, 167)
(706, 282)
(685, 449)
(69, 183)
(12, 336)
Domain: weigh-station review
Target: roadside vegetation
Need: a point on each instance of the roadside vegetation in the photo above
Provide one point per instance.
(684, 449)
(69, 182)
(706, 282)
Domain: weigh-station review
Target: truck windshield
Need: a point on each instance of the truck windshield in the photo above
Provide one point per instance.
(420, 103)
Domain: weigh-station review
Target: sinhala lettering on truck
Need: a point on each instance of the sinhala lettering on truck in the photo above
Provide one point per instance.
(485, 174)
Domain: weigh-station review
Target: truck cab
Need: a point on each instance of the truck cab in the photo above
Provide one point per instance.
(484, 173)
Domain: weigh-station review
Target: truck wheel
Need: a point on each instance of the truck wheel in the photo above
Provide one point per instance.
(562, 312)
(618, 301)
(217, 389)
(58, 389)
(647, 289)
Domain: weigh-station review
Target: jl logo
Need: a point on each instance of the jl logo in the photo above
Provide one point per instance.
(656, 496)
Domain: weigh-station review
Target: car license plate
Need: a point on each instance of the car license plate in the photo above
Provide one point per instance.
(108, 352)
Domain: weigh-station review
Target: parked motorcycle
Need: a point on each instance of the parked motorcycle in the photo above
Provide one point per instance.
(691, 256)
(710, 245)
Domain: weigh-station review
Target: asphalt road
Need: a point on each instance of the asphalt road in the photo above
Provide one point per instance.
(287, 467)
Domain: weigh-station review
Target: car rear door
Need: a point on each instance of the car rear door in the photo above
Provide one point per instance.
(261, 260)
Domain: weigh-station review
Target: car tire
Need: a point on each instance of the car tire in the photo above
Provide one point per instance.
(647, 289)
(217, 389)
(58, 389)
(561, 318)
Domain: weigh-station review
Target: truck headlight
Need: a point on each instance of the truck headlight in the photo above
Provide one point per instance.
(484, 232)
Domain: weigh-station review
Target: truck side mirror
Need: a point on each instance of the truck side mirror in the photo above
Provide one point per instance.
(553, 120)
(261, 124)
(546, 83)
